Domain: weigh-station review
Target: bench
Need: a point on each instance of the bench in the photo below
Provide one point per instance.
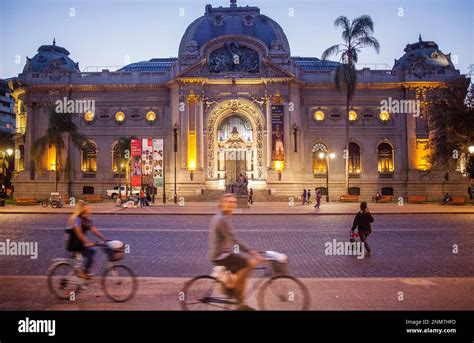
(386, 198)
(93, 198)
(349, 198)
(457, 201)
(417, 199)
(26, 201)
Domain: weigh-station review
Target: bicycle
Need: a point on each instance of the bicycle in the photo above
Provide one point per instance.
(277, 289)
(118, 281)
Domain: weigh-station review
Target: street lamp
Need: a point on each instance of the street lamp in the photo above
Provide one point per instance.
(192, 169)
(327, 155)
(175, 141)
(120, 180)
(471, 149)
(279, 167)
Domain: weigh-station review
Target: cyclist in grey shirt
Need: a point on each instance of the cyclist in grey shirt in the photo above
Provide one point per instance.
(225, 249)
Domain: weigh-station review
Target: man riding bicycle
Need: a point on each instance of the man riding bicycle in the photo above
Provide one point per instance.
(225, 250)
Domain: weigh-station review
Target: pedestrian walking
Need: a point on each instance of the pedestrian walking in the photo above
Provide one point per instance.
(469, 191)
(309, 197)
(318, 198)
(362, 222)
(250, 200)
(304, 196)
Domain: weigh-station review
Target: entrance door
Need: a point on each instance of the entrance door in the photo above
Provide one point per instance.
(234, 165)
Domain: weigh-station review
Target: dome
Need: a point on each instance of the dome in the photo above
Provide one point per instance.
(233, 20)
(51, 57)
(423, 55)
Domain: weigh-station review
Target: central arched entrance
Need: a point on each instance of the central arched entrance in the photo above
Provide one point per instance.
(235, 153)
(235, 142)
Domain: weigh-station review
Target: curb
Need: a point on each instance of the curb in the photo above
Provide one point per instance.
(239, 213)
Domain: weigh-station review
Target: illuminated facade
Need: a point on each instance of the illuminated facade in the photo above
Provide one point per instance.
(241, 103)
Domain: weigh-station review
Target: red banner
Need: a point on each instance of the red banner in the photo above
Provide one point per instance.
(136, 153)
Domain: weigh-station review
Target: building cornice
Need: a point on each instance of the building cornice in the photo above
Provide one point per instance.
(380, 85)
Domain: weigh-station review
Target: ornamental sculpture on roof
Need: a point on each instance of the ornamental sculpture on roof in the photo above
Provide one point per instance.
(234, 58)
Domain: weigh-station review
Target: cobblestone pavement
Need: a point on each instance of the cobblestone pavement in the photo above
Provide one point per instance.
(408, 245)
(30, 293)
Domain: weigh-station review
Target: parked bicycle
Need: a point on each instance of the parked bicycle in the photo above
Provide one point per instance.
(276, 289)
(118, 281)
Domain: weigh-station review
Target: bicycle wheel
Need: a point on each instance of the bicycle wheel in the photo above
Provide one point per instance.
(63, 280)
(119, 283)
(283, 293)
(205, 293)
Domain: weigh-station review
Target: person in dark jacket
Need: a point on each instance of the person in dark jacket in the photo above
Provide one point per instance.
(362, 222)
(304, 196)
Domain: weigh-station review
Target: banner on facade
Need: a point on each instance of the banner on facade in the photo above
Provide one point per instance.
(158, 162)
(147, 162)
(136, 169)
(278, 151)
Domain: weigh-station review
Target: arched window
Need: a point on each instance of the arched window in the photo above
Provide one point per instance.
(89, 158)
(354, 158)
(385, 158)
(319, 163)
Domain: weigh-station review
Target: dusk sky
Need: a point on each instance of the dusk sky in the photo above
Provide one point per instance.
(118, 32)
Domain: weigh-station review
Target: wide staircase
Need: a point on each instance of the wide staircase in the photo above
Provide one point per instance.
(213, 195)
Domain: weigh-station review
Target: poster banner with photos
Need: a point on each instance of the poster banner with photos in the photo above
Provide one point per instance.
(147, 162)
(158, 162)
(277, 115)
(136, 150)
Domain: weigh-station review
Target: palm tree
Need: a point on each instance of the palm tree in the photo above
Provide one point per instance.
(356, 35)
(59, 125)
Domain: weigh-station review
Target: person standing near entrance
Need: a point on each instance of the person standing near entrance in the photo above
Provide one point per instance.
(304, 196)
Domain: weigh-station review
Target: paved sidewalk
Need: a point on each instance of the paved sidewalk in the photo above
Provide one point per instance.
(31, 293)
(273, 208)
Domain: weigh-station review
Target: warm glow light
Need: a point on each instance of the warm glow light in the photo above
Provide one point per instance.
(89, 116)
(119, 116)
(51, 161)
(321, 155)
(332, 155)
(192, 151)
(384, 116)
(151, 116)
(471, 149)
(279, 165)
(423, 154)
(9, 152)
(352, 115)
(319, 115)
